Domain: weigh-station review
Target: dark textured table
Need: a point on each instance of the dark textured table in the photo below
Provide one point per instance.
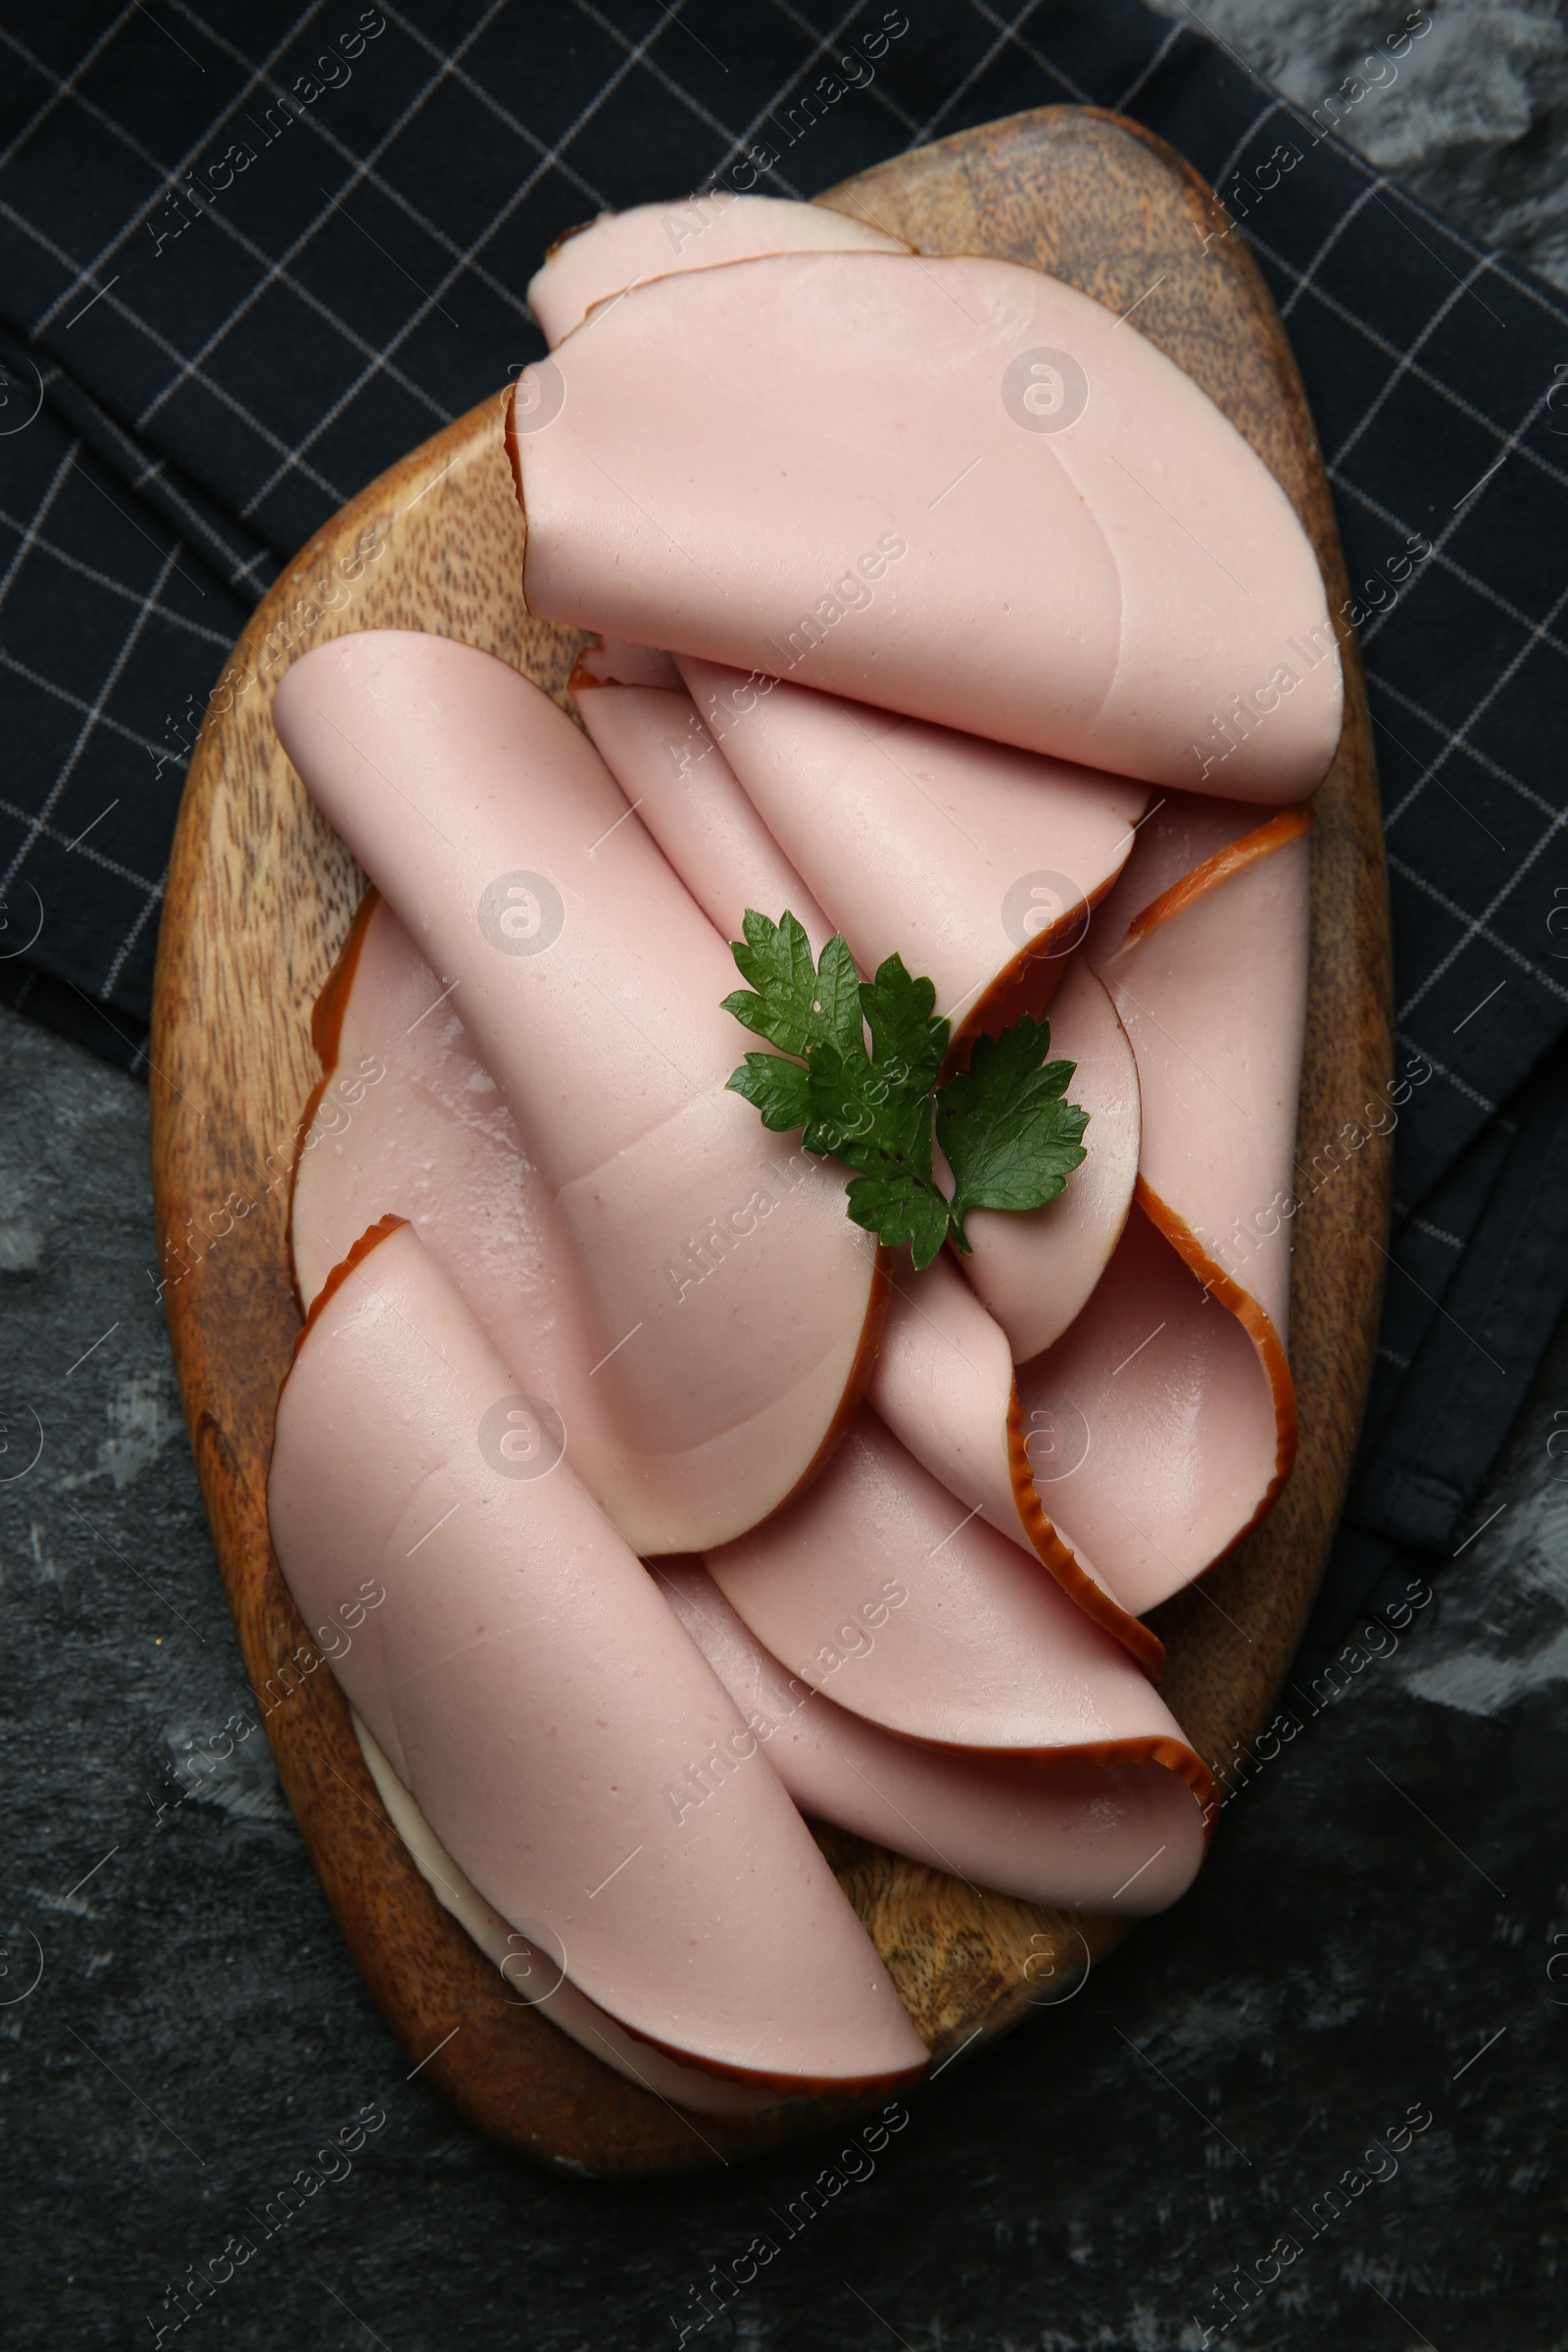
(1321, 2103)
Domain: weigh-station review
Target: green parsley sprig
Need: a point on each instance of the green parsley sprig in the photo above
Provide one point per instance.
(1007, 1131)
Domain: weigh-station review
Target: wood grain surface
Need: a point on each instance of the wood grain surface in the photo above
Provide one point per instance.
(260, 895)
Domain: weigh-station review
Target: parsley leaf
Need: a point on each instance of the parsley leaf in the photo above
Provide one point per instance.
(1011, 1138)
(899, 1012)
(795, 1007)
(865, 1113)
(780, 1089)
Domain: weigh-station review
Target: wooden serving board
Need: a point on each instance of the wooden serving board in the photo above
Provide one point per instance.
(260, 895)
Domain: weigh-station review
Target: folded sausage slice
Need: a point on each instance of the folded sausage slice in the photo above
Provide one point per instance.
(1154, 1417)
(1210, 984)
(875, 1587)
(976, 863)
(1122, 1836)
(1178, 833)
(530, 1967)
(410, 1124)
(1170, 1395)
(654, 743)
(732, 1304)
(618, 250)
(534, 1694)
(1034, 1269)
(943, 1385)
(955, 489)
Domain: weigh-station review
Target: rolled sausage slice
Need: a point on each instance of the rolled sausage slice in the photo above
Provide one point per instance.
(532, 1692)
(877, 1588)
(654, 743)
(1034, 1269)
(943, 1385)
(976, 863)
(733, 1306)
(843, 467)
(529, 1966)
(1122, 1837)
(408, 1122)
(1170, 1398)
(1152, 1425)
(1178, 833)
(620, 250)
(1210, 984)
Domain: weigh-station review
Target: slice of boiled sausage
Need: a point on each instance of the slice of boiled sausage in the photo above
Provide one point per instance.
(532, 1692)
(1032, 1270)
(875, 1587)
(418, 1129)
(530, 1967)
(1152, 1425)
(943, 1385)
(1123, 1835)
(626, 249)
(667, 764)
(1210, 983)
(955, 489)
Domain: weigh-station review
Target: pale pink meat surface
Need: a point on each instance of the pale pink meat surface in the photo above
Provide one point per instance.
(685, 791)
(983, 1651)
(618, 250)
(430, 1139)
(1160, 1439)
(1119, 1836)
(533, 1692)
(1213, 997)
(1180, 831)
(728, 1295)
(943, 1385)
(843, 467)
(1034, 1269)
(531, 1967)
(968, 858)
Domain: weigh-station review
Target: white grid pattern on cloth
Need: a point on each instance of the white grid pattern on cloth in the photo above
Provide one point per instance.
(144, 609)
(277, 272)
(219, 392)
(116, 962)
(1467, 579)
(139, 470)
(363, 165)
(658, 56)
(75, 702)
(1124, 99)
(1448, 1072)
(1037, 57)
(1391, 382)
(79, 848)
(106, 253)
(1494, 768)
(444, 285)
(64, 88)
(39, 516)
(1005, 33)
